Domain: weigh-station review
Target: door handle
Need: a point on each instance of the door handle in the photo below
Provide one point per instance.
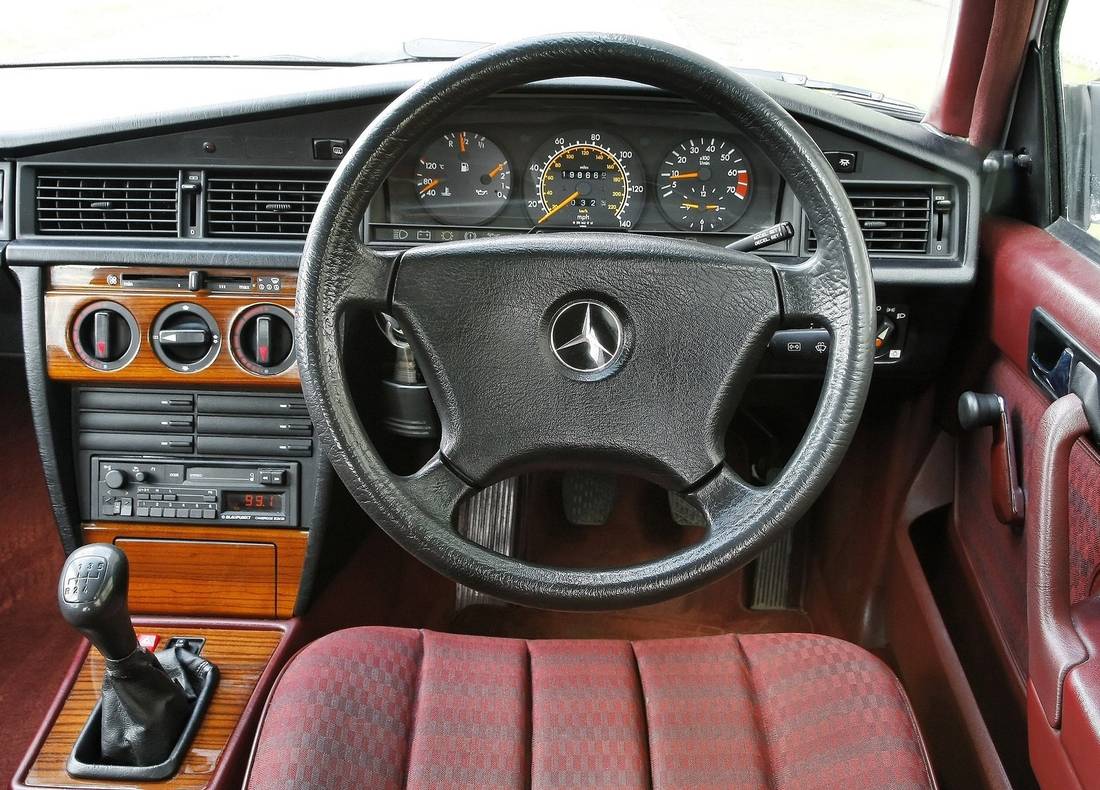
(1056, 378)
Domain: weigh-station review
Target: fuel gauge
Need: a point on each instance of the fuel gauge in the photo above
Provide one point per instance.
(463, 178)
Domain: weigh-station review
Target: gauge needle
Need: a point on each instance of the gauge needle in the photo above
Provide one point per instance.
(430, 185)
(689, 205)
(678, 176)
(712, 207)
(462, 142)
(558, 207)
(496, 171)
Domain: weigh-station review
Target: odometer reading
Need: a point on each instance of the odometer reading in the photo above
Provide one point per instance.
(585, 179)
(704, 184)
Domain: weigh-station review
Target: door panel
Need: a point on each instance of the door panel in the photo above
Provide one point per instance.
(997, 552)
(1040, 585)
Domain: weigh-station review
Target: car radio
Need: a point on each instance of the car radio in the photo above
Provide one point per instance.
(215, 492)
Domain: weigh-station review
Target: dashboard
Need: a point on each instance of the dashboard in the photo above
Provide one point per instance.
(155, 241)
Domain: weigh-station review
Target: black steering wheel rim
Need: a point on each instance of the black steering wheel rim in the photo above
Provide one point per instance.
(834, 288)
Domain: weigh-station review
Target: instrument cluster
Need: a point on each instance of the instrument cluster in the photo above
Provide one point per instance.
(662, 175)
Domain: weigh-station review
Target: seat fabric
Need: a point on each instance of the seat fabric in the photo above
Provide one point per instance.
(391, 708)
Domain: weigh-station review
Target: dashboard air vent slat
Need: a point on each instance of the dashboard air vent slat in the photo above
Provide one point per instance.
(108, 204)
(263, 205)
(893, 219)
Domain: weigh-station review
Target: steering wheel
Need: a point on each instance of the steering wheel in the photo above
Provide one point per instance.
(664, 336)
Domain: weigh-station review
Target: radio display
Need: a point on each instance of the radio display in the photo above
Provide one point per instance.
(250, 502)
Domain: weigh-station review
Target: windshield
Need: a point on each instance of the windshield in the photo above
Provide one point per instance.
(890, 46)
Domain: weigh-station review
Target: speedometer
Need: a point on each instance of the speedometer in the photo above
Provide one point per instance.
(585, 179)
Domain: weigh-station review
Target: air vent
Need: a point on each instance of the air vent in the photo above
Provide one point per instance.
(108, 204)
(263, 205)
(894, 220)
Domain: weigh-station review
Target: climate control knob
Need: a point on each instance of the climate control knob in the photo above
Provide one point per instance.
(185, 337)
(262, 339)
(105, 336)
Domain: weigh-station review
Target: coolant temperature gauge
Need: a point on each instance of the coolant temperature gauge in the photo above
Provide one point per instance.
(463, 178)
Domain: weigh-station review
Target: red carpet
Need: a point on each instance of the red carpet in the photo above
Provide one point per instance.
(37, 646)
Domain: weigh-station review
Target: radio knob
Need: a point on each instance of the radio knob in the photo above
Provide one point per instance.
(115, 478)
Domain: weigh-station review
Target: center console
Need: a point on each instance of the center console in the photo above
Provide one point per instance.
(173, 428)
(181, 432)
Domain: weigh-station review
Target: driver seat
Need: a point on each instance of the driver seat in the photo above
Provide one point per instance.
(392, 707)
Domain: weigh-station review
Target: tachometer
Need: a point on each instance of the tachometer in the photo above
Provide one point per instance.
(585, 179)
(463, 178)
(704, 184)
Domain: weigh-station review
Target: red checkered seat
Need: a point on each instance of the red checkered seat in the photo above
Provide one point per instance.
(391, 708)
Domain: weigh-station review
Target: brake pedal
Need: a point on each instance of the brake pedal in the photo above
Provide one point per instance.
(488, 518)
(684, 513)
(588, 498)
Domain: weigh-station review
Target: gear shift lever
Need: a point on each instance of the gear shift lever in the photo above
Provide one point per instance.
(148, 703)
(92, 594)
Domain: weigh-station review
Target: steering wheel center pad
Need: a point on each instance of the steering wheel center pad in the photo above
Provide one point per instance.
(695, 319)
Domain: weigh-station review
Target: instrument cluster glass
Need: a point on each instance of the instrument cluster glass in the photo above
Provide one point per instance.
(534, 171)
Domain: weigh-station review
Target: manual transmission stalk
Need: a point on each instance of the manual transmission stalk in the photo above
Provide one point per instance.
(147, 699)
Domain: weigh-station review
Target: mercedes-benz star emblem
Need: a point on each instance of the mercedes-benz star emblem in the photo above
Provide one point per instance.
(586, 336)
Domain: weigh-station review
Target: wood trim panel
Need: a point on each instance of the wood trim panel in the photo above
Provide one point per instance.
(209, 571)
(73, 287)
(189, 576)
(241, 656)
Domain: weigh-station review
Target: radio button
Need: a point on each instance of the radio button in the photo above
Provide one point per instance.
(194, 513)
(208, 514)
(169, 512)
(169, 497)
(155, 512)
(272, 477)
(142, 512)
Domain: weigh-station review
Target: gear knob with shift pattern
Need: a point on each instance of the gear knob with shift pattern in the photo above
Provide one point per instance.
(150, 705)
(92, 594)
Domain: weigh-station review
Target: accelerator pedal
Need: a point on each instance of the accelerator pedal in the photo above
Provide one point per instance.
(489, 518)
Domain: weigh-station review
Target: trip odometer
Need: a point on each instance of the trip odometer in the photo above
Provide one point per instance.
(585, 179)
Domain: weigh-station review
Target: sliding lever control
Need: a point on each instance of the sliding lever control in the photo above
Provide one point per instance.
(978, 410)
(92, 594)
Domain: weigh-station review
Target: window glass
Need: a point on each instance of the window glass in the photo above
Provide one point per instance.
(892, 47)
(1079, 61)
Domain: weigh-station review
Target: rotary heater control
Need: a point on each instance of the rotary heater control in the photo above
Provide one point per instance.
(105, 336)
(263, 339)
(185, 337)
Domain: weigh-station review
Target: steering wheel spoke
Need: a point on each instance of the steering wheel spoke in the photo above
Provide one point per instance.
(360, 276)
(437, 489)
(728, 502)
(814, 291)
